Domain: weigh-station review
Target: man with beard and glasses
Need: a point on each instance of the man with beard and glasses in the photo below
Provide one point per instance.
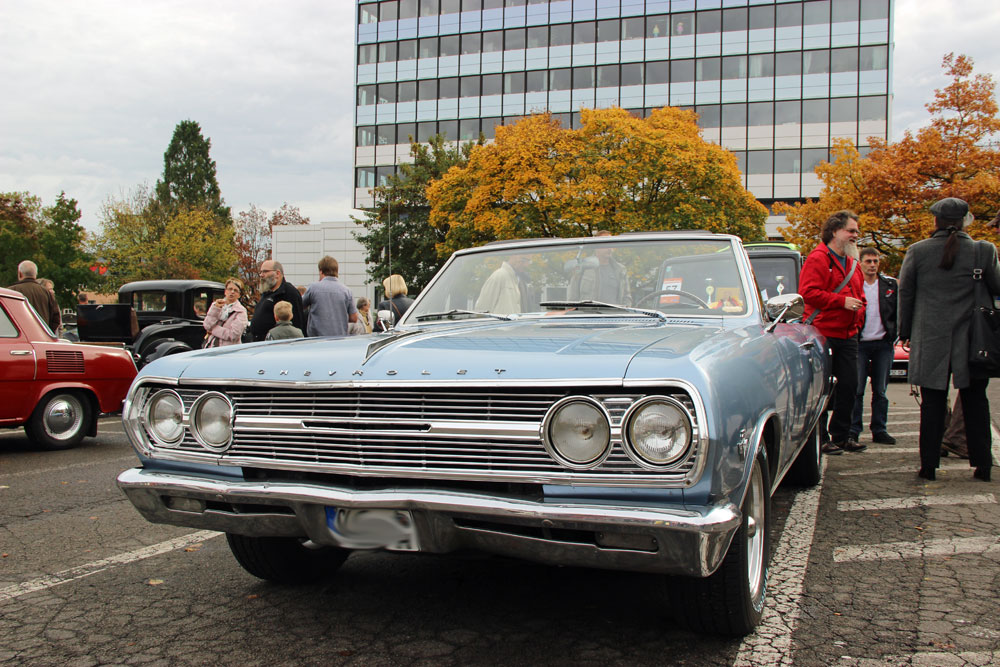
(275, 288)
(833, 290)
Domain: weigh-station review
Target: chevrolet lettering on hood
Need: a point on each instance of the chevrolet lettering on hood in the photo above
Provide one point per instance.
(624, 402)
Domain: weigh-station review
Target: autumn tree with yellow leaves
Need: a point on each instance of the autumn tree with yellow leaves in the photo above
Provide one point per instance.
(956, 155)
(617, 172)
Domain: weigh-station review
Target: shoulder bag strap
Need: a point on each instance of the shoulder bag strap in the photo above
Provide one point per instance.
(841, 286)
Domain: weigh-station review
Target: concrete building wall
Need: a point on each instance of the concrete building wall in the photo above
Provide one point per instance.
(300, 247)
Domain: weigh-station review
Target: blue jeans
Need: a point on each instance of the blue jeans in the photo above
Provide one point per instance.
(875, 360)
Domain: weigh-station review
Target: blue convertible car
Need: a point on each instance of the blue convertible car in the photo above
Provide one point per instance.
(620, 402)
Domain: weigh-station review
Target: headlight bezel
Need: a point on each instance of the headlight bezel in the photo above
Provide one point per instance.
(635, 410)
(148, 422)
(196, 428)
(554, 411)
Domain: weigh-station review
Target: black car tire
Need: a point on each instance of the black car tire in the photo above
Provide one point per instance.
(805, 471)
(60, 420)
(730, 602)
(285, 560)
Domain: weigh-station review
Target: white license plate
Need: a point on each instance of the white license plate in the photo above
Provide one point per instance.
(897, 372)
(373, 529)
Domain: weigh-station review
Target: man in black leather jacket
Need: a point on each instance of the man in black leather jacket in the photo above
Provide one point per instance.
(875, 346)
(275, 288)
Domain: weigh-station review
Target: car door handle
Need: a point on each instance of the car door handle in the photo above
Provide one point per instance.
(20, 353)
(808, 345)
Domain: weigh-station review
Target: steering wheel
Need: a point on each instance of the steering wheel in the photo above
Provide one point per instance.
(673, 292)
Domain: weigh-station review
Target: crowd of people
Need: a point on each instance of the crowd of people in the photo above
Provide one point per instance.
(860, 311)
(863, 313)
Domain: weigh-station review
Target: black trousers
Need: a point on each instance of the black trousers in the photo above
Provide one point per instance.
(844, 367)
(976, 410)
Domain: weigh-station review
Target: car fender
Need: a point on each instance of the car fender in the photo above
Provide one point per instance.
(163, 347)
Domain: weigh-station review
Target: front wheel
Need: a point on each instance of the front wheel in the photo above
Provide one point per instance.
(731, 601)
(285, 560)
(60, 420)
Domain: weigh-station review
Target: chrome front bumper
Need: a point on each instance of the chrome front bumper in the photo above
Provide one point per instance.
(663, 539)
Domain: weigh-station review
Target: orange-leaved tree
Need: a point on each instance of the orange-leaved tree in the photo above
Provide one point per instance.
(617, 172)
(891, 189)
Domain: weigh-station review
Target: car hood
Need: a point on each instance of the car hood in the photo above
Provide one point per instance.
(521, 350)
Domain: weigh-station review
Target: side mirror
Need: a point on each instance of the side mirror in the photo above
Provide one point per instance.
(784, 308)
(385, 319)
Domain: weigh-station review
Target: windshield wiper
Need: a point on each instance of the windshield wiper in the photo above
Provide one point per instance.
(600, 304)
(451, 315)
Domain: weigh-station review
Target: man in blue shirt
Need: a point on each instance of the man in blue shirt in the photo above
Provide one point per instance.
(330, 302)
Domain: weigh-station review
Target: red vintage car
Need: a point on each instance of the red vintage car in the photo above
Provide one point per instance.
(55, 389)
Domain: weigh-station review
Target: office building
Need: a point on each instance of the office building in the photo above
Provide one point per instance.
(773, 81)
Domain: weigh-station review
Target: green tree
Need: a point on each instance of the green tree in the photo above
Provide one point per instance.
(141, 240)
(398, 237)
(617, 172)
(63, 257)
(20, 226)
(189, 178)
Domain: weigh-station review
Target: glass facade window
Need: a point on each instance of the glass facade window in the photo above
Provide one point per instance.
(770, 80)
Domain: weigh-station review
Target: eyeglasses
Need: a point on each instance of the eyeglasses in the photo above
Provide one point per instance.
(265, 271)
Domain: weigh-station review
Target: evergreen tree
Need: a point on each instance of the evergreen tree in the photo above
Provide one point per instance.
(189, 179)
(63, 257)
(398, 235)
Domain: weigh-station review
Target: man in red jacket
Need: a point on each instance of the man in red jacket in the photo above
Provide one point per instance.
(833, 289)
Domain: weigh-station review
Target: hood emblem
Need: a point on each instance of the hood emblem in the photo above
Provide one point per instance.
(283, 373)
(308, 373)
(358, 372)
(425, 372)
(260, 372)
(390, 372)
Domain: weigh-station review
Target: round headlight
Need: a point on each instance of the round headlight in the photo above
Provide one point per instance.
(212, 421)
(164, 417)
(577, 432)
(657, 431)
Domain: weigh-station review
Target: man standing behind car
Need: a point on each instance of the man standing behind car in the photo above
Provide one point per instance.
(833, 290)
(275, 288)
(875, 348)
(41, 299)
(330, 302)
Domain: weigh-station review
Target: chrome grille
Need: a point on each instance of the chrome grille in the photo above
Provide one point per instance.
(296, 439)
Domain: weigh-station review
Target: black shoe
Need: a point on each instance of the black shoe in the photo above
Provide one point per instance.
(926, 473)
(983, 473)
(832, 449)
(883, 438)
(851, 445)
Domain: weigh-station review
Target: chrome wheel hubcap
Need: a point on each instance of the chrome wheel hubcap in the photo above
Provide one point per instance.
(755, 533)
(63, 417)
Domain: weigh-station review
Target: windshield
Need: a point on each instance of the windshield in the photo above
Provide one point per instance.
(672, 276)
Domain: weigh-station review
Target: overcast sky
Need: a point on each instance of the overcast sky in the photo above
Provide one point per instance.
(92, 92)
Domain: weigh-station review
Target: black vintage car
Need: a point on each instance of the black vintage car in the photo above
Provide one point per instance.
(153, 318)
(776, 267)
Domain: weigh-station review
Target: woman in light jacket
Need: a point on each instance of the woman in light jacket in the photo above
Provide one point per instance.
(227, 318)
(936, 301)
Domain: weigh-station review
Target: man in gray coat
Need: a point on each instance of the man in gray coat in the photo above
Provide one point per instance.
(936, 301)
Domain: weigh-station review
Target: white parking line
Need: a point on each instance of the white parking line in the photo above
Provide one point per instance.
(926, 549)
(72, 574)
(72, 466)
(771, 643)
(913, 501)
(912, 468)
(892, 449)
